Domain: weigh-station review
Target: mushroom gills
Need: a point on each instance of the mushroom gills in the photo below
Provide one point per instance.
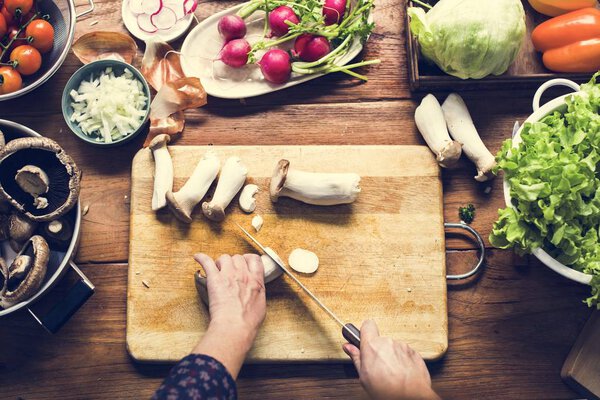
(57, 169)
(27, 272)
(303, 261)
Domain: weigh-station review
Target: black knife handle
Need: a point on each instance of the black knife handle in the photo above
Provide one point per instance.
(351, 334)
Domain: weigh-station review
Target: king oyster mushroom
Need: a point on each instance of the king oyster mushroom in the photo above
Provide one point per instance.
(38, 178)
(26, 273)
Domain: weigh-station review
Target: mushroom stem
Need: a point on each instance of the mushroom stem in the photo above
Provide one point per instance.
(163, 171)
(58, 232)
(463, 130)
(231, 180)
(182, 203)
(322, 189)
(429, 118)
(247, 200)
(33, 180)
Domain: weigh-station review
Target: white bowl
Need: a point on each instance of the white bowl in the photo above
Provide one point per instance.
(130, 22)
(557, 104)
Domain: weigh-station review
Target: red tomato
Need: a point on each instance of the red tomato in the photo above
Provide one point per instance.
(18, 7)
(42, 35)
(10, 80)
(28, 59)
(8, 17)
(3, 26)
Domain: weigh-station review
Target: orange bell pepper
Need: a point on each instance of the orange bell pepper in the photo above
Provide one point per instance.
(570, 42)
(553, 8)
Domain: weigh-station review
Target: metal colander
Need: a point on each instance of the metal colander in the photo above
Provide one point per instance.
(63, 18)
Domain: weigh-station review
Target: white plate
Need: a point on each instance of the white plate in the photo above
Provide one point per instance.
(201, 49)
(168, 35)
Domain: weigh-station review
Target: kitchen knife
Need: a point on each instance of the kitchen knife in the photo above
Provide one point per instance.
(349, 331)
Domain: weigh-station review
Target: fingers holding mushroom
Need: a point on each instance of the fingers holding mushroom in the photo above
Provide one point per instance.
(27, 272)
(182, 202)
(232, 178)
(322, 189)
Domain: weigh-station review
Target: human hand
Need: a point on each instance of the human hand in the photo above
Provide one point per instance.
(389, 370)
(237, 307)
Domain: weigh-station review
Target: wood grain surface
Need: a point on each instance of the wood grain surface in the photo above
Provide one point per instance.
(509, 330)
(383, 256)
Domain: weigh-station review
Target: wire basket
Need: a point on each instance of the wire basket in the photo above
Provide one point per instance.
(62, 17)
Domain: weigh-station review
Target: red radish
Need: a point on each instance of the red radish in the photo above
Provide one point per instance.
(310, 47)
(334, 10)
(278, 18)
(276, 66)
(235, 53)
(232, 27)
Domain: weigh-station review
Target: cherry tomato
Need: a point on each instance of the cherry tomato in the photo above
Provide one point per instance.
(10, 80)
(42, 34)
(18, 7)
(27, 58)
(3, 26)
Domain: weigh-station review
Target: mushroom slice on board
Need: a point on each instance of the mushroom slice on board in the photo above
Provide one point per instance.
(3, 276)
(63, 177)
(26, 273)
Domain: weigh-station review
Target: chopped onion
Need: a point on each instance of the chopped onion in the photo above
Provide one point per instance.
(109, 107)
(164, 19)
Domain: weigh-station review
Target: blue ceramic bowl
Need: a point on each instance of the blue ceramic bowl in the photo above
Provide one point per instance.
(95, 69)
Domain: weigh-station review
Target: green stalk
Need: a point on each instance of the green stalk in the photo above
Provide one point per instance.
(422, 4)
(16, 37)
(331, 55)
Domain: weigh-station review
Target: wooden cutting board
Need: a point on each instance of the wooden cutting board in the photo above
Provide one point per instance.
(382, 257)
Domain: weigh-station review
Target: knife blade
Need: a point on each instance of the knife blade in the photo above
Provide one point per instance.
(350, 332)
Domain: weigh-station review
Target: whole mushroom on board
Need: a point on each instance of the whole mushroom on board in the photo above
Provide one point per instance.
(182, 202)
(163, 170)
(232, 178)
(322, 189)
(430, 121)
(463, 131)
(62, 174)
(26, 273)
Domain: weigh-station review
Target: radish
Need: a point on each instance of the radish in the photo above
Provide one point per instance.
(276, 66)
(232, 27)
(334, 10)
(235, 53)
(310, 47)
(278, 18)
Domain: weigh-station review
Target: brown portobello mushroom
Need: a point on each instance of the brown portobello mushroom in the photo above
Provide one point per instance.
(2, 140)
(20, 229)
(26, 273)
(26, 166)
(3, 276)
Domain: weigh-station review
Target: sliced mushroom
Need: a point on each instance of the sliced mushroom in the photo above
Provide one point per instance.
(231, 180)
(322, 189)
(59, 170)
(303, 261)
(257, 222)
(163, 171)
(29, 270)
(182, 202)
(272, 272)
(3, 276)
(247, 200)
(58, 233)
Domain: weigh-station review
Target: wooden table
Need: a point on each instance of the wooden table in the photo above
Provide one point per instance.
(509, 330)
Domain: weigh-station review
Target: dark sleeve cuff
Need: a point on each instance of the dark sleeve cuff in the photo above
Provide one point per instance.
(198, 376)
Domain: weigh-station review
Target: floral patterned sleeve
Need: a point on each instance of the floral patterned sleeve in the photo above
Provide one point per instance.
(198, 376)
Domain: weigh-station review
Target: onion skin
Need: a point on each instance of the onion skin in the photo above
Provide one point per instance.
(276, 66)
(333, 11)
(232, 27)
(310, 47)
(235, 53)
(278, 18)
